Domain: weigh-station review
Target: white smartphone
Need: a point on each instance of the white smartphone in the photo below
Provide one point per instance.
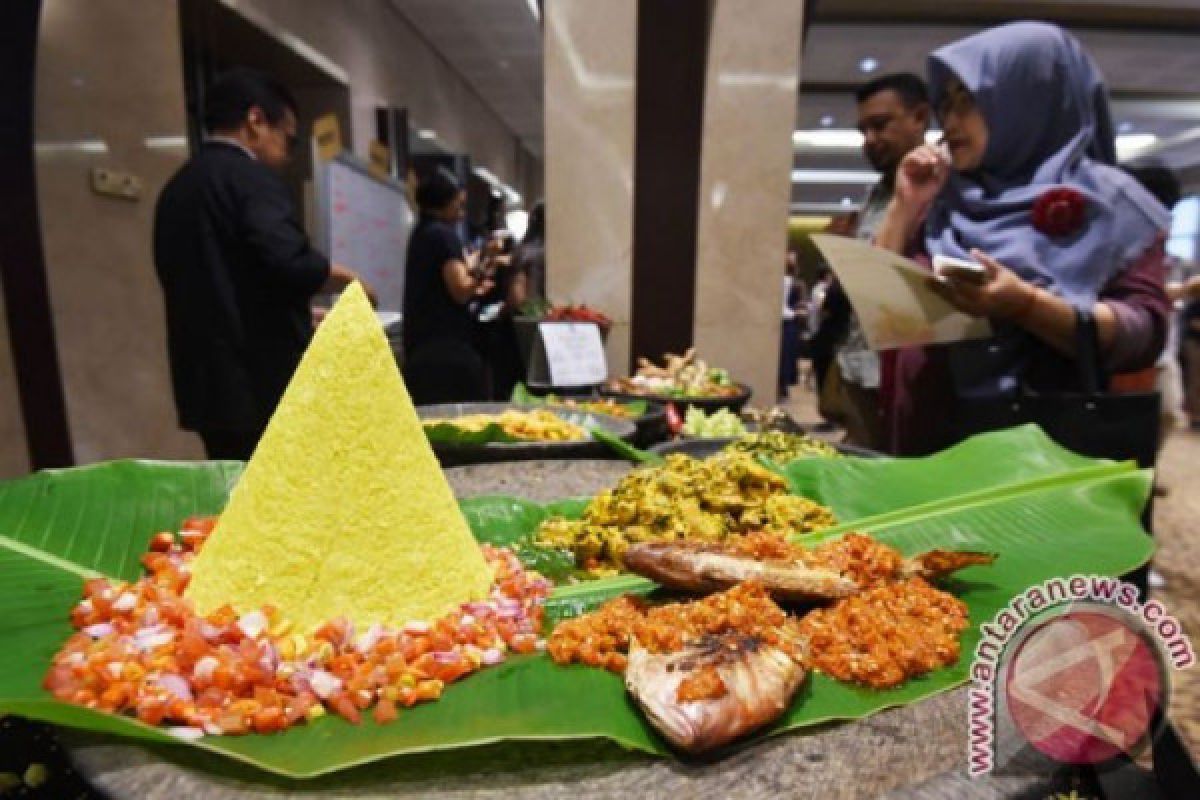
(959, 269)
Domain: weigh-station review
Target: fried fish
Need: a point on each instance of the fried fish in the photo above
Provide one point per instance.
(700, 570)
(713, 691)
(791, 574)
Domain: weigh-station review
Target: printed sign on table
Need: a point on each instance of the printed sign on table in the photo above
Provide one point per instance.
(574, 353)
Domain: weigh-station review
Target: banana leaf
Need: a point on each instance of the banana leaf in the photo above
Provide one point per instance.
(451, 434)
(1046, 512)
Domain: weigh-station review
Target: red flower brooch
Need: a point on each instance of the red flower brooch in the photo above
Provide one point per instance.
(1059, 212)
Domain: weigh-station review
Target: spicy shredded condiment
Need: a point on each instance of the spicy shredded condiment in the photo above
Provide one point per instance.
(140, 649)
(886, 635)
(602, 638)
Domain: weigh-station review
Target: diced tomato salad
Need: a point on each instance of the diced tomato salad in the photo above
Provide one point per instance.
(139, 648)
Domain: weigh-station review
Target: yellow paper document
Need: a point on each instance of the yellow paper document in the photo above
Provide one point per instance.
(892, 298)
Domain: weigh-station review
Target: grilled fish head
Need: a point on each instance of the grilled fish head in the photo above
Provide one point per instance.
(758, 679)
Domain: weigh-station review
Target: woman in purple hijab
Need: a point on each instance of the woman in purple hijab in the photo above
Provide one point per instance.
(1024, 184)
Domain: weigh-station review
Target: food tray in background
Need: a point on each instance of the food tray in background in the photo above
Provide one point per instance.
(457, 455)
(734, 402)
(703, 448)
(651, 425)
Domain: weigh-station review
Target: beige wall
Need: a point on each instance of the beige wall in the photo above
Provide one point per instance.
(106, 301)
(13, 457)
(389, 63)
(590, 58)
(745, 184)
(109, 76)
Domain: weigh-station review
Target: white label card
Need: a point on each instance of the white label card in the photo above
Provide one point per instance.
(890, 295)
(574, 353)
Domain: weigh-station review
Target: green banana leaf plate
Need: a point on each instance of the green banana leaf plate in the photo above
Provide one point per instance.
(1045, 511)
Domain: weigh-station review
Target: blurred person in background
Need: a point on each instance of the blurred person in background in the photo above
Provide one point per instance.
(794, 310)
(1027, 187)
(1162, 183)
(1190, 351)
(236, 268)
(497, 332)
(893, 116)
(820, 332)
(520, 277)
(443, 286)
(529, 257)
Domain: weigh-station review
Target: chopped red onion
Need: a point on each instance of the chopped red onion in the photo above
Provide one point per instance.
(324, 683)
(479, 608)
(150, 638)
(100, 629)
(366, 643)
(126, 602)
(270, 657)
(492, 656)
(203, 670)
(252, 623)
(417, 627)
(176, 685)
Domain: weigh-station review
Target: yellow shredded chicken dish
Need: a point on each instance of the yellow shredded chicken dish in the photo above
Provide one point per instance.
(539, 425)
(684, 499)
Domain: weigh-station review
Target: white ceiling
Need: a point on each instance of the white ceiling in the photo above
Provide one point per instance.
(496, 45)
(1148, 51)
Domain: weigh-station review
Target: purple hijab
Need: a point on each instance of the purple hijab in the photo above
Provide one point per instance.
(1049, 126)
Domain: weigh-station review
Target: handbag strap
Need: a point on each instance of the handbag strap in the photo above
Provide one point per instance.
(1092, 378)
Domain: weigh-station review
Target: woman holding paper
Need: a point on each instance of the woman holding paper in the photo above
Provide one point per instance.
(1024, 186)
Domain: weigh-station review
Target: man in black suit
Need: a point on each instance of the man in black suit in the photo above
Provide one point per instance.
(237, 270)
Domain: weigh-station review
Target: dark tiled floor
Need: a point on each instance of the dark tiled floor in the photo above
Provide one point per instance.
(1176, 527)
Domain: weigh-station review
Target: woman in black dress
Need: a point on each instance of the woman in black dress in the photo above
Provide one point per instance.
(442, 283)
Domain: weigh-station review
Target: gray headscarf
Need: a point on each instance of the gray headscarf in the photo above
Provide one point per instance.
(1049, 126)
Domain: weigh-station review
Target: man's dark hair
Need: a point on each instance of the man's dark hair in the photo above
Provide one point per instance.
(1158, 180)
(235, 92)
(909, 87)
(437, 189)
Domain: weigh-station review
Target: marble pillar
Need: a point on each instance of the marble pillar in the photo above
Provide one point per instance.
(590, 59)
(745, 181)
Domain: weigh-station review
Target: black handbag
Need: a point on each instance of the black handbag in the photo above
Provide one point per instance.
(1093, 422)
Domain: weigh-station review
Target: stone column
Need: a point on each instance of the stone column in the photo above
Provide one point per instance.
(667, 200)
(745, 186)
(590, 58)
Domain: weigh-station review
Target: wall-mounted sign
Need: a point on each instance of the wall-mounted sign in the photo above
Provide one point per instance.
(328, 135)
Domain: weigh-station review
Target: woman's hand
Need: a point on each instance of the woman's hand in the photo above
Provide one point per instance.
(921, 175)
(1002, 295)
